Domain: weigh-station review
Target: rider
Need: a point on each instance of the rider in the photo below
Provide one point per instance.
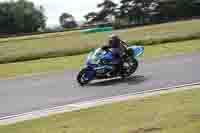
(117, 47)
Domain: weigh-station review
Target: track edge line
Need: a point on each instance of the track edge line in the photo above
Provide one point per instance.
(92, 103)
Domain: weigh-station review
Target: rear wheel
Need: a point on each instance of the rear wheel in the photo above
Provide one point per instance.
(81, 78)
(129, 68)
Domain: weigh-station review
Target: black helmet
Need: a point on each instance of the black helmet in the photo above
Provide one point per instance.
(113, 39)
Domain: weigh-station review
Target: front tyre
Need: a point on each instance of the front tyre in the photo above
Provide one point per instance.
(82, 77)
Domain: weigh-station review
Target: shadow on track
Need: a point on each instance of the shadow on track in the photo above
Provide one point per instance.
(131, 80)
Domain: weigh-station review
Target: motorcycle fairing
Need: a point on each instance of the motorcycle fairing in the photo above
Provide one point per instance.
(137, 50)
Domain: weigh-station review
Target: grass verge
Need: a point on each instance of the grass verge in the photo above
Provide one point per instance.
(168, 113)
(73, 43)
(74, 62)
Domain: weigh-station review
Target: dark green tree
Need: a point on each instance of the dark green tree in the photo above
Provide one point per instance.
(177, 9)
(21, 17)
(137, 10)
(67, 21)
(108, 8)
(184, 8)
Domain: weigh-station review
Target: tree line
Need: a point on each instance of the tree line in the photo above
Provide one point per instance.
(23, 16)
(145, 11)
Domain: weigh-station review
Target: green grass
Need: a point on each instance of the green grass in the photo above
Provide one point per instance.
(75, 62)
(72, 43)
(168, 113)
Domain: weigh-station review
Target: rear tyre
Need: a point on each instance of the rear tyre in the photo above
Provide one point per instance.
(81, 78)
(133, 65)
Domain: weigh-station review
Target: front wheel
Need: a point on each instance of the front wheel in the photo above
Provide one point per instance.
(82, 77)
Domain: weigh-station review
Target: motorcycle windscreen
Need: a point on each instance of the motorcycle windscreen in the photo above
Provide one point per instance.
(95, 56)
(137, 50)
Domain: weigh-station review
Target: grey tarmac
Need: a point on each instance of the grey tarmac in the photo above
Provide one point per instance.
(31, 93)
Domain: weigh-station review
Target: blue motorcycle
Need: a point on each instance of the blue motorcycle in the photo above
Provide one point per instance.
(99, 65)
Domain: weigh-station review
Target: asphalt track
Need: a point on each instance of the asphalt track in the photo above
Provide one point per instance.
(26, 94)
